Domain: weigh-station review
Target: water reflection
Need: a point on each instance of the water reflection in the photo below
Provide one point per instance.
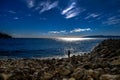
(68, 39)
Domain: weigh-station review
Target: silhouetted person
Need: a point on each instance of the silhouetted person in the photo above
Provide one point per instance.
(69, 53)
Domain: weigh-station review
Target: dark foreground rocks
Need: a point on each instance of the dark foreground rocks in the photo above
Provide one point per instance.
(103, 63)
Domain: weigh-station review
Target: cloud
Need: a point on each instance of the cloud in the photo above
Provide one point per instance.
(72, 31)
(29, 15)
(43, 18)
(15, 18)
(57, 32)
(41, 6)
(47, 6)
(93, 15)
(80, 30)
(12, 12)
(30, 3)
(72, 11)
(69, 8)
(112, 20)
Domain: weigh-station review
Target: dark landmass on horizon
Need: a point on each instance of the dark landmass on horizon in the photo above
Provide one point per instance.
(101, 36)
(4, 35)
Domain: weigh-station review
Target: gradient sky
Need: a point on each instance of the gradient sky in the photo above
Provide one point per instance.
(48, 18)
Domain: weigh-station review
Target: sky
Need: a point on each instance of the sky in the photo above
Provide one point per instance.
(54, 18)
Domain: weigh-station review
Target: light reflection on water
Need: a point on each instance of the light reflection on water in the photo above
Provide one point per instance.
(69, 39)
(72, 44)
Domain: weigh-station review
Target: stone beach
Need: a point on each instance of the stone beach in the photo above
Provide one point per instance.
(102, 63)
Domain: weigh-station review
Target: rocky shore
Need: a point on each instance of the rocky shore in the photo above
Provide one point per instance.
(103, 63)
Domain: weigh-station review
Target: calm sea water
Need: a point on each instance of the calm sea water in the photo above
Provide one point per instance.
(44, 47)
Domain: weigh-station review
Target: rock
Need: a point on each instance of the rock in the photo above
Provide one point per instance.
(116, 62)
(87, 65)
(47, 76)
(65, 72)
(40, 74)
(89, 78)
(90, 72)
(115, 70)
(69, 66)
(4, 76)
(100, 71)
(64, 79)
(93, 74)
(72, 79)
(107, 49)
(78, 73)
(1, 77)
(109, 77)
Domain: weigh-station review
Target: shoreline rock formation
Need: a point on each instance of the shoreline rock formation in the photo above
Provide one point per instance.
(103, 63)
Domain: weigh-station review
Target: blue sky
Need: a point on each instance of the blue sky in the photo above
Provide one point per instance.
(49, 18)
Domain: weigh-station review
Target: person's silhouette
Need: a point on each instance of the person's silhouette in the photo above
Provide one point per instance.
(69, 53)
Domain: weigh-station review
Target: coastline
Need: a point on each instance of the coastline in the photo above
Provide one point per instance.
(103, 63)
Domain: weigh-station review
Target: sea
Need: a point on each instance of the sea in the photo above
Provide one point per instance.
(46, 47)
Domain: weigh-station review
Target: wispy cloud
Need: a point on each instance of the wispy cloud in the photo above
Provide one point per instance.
(15, 18)
(80, 30)
(41, 6)
(42, 18)
(112, 20)
(29, 15)
(69, 8)
(47, 6)
(93, 15)
(11, 11)
(57, 32)
(30, 3)
(72, 31)
(72, 10)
